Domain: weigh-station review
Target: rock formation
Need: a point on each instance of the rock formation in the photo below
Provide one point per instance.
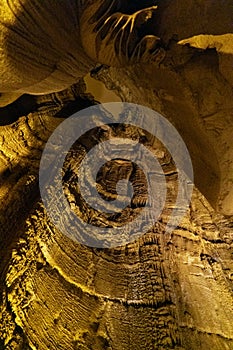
(162, 291)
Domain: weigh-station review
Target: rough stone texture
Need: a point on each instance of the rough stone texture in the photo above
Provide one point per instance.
(47, 46)
(162, 291)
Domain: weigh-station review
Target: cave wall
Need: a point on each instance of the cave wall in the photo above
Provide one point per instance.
(163, 291)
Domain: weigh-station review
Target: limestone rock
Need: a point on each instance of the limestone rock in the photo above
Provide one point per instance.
(162, 291)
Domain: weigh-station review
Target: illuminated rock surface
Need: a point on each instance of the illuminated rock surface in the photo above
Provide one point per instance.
(162, 291)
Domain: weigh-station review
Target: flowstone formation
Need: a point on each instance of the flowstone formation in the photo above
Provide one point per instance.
(162, 291)
(43, 51)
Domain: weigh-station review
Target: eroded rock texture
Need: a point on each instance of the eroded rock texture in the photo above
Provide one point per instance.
(163, 291)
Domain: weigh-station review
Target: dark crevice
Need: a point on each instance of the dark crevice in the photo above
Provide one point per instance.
(24, 105)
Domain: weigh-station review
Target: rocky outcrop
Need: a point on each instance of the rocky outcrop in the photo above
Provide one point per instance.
(162, 291)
